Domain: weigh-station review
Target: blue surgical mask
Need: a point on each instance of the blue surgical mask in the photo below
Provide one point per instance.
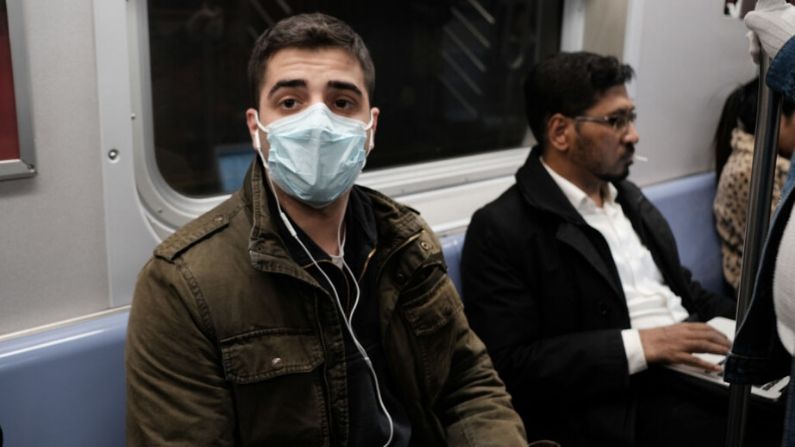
(316, 155)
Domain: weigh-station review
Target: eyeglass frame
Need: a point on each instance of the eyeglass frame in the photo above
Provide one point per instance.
(618, 121)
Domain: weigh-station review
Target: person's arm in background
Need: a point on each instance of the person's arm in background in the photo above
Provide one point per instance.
(773, 25)
(790, 182)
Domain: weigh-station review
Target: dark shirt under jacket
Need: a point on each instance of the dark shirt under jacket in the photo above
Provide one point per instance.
(368, 426)
(542, 291)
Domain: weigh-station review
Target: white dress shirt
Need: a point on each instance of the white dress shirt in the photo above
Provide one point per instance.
(650, 302)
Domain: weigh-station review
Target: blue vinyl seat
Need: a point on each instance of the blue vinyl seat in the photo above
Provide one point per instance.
(65, 387)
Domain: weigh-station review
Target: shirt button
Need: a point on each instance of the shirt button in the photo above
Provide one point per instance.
(276, 362)
(604, 309)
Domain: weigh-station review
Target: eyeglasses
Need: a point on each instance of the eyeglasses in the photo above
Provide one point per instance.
(619, 122)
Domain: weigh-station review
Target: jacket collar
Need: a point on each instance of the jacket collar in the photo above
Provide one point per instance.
(393, 224)
(540, 190)
(577, 197)
(266, 247)
(742, 141)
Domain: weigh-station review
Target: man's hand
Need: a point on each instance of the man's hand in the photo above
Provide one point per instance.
(773, 23)
(677, 343)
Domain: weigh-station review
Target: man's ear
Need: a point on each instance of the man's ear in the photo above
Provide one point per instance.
(558, 131)
(253, 129)
(374, 112)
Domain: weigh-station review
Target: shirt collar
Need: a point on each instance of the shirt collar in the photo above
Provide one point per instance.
(577, 197)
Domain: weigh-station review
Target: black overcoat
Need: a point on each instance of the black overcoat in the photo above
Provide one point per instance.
(541, 289)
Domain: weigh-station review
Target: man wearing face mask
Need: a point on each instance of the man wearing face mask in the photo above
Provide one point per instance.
(305, 310)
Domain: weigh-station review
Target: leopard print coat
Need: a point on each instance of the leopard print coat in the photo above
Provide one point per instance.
(731, 201)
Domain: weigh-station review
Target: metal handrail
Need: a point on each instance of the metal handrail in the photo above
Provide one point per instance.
(768, 114)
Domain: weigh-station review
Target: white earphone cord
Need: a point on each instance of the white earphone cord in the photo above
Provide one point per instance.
(347, 320)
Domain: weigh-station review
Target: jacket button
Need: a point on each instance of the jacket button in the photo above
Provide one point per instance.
(400, 277)
(425, 245)
(276, 362)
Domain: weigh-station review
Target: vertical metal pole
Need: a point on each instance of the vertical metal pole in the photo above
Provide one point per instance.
(768, 113)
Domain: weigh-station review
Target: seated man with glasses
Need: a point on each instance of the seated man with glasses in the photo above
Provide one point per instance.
(572, 278)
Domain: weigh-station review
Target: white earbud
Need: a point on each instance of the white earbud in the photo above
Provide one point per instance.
(257, 144)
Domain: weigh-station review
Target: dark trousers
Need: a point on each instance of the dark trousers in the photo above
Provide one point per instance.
(676, 410)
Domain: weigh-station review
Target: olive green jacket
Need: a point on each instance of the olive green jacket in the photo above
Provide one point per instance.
(230, 342)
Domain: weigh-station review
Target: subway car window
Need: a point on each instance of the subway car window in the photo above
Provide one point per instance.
(448, 78)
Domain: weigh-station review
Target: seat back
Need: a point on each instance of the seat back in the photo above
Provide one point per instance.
(65, 386)
(686, 204)
(452, 247)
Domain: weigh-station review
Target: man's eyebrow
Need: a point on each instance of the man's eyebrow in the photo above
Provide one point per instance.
(286, 83)
(342, 85)
(622, 111)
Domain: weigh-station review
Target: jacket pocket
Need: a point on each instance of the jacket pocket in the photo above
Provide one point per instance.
(431, 304)
(277, 387)
(430, 313)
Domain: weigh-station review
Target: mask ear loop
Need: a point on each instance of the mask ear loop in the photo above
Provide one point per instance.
(346, 320)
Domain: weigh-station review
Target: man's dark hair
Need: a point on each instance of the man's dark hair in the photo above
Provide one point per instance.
(569, 84)
(312, 32)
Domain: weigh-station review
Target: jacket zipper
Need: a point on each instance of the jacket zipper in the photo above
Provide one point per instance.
(366, 264)
(364, 270)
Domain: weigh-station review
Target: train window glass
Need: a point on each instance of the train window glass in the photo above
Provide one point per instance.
(448, 78)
